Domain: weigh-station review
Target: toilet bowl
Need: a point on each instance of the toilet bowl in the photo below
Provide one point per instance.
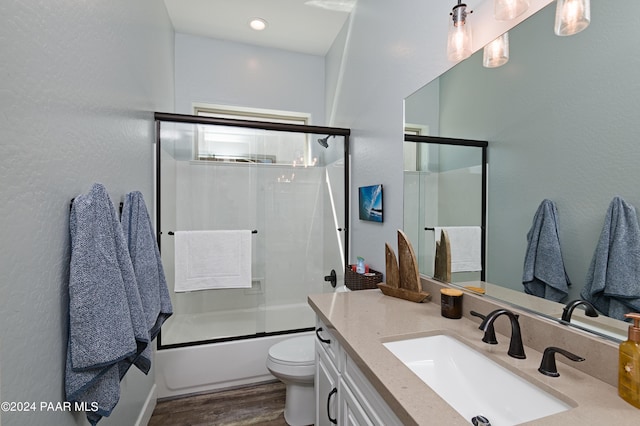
(293, 362)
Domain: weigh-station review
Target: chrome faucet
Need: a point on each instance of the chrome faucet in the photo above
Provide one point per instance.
(589, 309)
(516, 349)
(548, 363)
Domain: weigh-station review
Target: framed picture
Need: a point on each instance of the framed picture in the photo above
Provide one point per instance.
(370, 203)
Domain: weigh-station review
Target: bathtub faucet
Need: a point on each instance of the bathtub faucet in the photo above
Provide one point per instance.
(332, 278)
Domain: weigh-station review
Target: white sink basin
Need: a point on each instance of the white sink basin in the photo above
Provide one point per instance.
(472, 383)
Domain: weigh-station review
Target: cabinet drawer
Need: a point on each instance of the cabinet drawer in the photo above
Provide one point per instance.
(327, 341)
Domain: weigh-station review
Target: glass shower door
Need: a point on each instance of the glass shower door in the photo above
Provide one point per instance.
(282, 185)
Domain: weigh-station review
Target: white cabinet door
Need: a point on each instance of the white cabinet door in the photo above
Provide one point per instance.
(326, 382)
(344, 396)
(351, 412)
(372, 403)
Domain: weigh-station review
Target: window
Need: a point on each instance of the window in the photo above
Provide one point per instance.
(244, 145)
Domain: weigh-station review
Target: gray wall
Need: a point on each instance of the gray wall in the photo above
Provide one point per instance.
(78, 84)
(561, 120)
(236, 74)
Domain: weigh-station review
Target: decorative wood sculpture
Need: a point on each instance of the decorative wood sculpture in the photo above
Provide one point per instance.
(403, 278)
(442, 267)
(409, 274)
(392, 273)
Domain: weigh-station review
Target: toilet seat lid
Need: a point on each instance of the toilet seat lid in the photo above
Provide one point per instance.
(295, 350)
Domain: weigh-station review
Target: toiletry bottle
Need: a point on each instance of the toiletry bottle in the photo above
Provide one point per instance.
(360, 267)
(629, 364)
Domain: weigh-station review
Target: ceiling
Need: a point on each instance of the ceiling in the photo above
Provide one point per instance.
(304, 26)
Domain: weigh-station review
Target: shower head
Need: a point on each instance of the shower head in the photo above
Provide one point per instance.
(324, 141)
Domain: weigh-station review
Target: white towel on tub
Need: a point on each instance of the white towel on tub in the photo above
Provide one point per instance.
(466, 243)
(206, 260)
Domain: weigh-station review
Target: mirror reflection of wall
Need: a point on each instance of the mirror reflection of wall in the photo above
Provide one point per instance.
(561, 120)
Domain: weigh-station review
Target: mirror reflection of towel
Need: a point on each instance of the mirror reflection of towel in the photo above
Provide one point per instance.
(544, 274)
(613, 281)
(465, 243)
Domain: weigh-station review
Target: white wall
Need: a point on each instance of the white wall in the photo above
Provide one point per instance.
(236, 74)
(78, 84)
(393, 49)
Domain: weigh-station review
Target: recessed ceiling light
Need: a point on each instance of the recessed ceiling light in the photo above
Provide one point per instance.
(258, 24)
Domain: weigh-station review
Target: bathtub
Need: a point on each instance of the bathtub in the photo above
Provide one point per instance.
(208, 367)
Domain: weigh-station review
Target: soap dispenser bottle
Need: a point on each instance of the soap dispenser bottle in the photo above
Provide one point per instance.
(629, 364)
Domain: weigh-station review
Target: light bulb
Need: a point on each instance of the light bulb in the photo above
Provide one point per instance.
(496, 53)
(459, 38)
(572, 16)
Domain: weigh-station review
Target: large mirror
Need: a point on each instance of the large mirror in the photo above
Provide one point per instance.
(560, 118)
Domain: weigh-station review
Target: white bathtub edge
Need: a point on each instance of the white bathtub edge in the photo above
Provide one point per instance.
(206, 368)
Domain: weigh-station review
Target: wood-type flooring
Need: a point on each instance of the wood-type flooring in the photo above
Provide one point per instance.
(261, 404)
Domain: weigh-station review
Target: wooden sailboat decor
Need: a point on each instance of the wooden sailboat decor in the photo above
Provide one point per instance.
(403, 278)
(442, 266)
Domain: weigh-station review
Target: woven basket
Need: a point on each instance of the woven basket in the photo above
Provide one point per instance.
(356, 281)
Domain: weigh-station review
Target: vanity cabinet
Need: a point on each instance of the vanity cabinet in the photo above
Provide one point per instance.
(351, 412)
(344, 396)
(326, 384)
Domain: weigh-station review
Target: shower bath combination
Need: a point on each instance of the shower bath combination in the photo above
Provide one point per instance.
(215, 183)
(199, 190)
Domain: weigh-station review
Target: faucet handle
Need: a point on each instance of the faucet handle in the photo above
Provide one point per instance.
(548, 363)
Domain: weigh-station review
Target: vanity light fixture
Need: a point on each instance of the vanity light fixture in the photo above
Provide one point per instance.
(505, 10)
(258, 24)
(572, 16)
(496, 53)
(459, 38)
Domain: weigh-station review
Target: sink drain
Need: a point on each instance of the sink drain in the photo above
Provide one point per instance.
(480, 421)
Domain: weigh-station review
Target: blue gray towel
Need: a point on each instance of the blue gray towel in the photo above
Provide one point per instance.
(147, 266)
(106, 320)
(613, 279)
(544, 274)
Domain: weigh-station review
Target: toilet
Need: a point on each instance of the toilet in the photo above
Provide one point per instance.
(293, 362)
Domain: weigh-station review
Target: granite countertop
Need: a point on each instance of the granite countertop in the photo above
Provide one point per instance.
(363, 320)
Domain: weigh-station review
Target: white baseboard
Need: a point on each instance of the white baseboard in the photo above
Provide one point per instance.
(149, 406)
